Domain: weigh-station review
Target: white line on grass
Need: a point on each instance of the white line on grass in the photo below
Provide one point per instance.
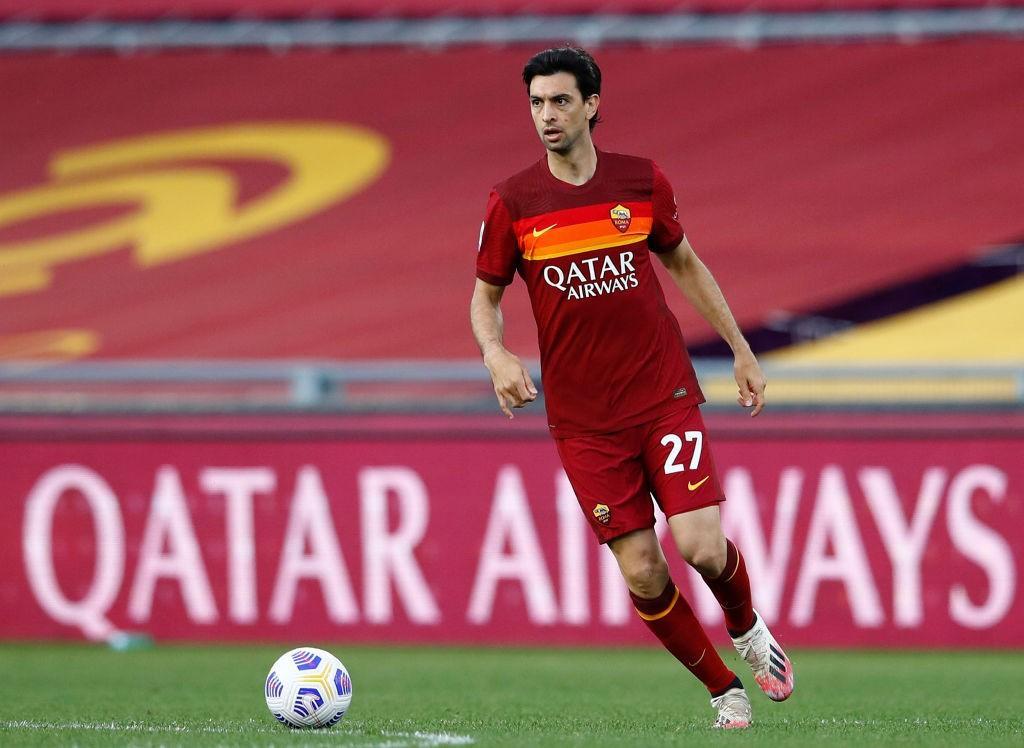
(433, 738)
(416, 739)
(26, 724)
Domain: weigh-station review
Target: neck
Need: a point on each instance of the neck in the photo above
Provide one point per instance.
(577, 165)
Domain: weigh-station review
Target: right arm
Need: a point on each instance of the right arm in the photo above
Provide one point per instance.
(512, 383)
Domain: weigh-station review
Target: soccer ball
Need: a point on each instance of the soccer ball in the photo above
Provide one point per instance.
(308, 687)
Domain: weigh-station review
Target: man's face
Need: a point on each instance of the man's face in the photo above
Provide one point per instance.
(560, 114)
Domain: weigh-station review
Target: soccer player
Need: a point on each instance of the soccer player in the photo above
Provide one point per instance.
(581, 226)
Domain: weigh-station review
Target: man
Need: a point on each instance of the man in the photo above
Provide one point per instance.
(580, 226)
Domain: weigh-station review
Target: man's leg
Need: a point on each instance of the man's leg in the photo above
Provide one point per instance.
(608, 477)
(681, 470)
(699, 538)
(666, 612)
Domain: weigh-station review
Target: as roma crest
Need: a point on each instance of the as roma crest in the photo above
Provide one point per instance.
(602, 514)
(621, 217)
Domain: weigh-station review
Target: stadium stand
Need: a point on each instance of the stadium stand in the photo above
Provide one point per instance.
(805, 176)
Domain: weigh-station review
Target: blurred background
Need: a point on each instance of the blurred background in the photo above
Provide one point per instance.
(239, 397)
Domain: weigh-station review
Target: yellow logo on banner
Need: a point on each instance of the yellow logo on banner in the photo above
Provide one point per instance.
(181, 207)
(48, 344)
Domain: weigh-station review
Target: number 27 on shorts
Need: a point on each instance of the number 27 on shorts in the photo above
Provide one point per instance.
(671, 466)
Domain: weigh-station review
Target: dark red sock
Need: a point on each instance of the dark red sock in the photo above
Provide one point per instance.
(732, 590)
(672, 620)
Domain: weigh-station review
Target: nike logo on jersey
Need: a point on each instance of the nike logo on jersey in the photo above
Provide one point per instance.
(537, 234)
(698, 484)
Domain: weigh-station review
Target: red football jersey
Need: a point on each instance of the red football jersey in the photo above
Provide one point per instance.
(612, 353)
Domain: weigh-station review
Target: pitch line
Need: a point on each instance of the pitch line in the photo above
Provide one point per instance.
(417, 739)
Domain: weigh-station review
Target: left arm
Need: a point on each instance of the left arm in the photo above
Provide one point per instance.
(700, 288)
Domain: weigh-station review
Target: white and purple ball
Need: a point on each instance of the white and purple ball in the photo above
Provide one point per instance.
(308, 687)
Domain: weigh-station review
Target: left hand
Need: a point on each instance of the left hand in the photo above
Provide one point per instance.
(751, 382)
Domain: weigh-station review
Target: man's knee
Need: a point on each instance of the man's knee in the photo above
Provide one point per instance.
(646, 576)
(699, 538)
(641, 562)
(707, 556)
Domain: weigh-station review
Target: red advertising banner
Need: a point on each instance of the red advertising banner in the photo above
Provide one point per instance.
(849, 541)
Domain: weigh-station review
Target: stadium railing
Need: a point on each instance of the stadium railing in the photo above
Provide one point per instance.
(460, 386)
(742, 29)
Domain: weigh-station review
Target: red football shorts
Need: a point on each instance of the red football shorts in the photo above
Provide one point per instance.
(615, 475)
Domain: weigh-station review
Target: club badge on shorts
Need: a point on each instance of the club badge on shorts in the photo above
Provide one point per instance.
(602, 514)
(621, 217)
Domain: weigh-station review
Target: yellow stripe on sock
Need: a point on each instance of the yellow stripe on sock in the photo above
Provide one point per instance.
(737, 563)
(663, 613)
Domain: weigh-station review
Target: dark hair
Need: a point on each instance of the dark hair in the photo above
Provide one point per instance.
(567, 59)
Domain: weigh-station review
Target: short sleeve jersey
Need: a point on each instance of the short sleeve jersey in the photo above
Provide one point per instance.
(612, 353)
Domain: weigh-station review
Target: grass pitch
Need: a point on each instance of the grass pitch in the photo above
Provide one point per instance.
(412, 697)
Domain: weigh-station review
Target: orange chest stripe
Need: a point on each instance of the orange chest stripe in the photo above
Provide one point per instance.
(576, 216)
(590, 246)
(581, 237)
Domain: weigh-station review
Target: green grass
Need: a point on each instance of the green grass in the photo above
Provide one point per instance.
(177, 695)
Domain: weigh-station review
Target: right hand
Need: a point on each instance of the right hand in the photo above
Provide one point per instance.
(512, 383)
(751, 382)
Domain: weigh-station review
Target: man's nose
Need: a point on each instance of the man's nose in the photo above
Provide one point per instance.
(547, 113)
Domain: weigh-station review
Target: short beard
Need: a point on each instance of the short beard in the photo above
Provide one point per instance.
(562, 149)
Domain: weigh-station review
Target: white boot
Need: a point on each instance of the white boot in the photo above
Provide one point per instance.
(772, 669)
(733, 710)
